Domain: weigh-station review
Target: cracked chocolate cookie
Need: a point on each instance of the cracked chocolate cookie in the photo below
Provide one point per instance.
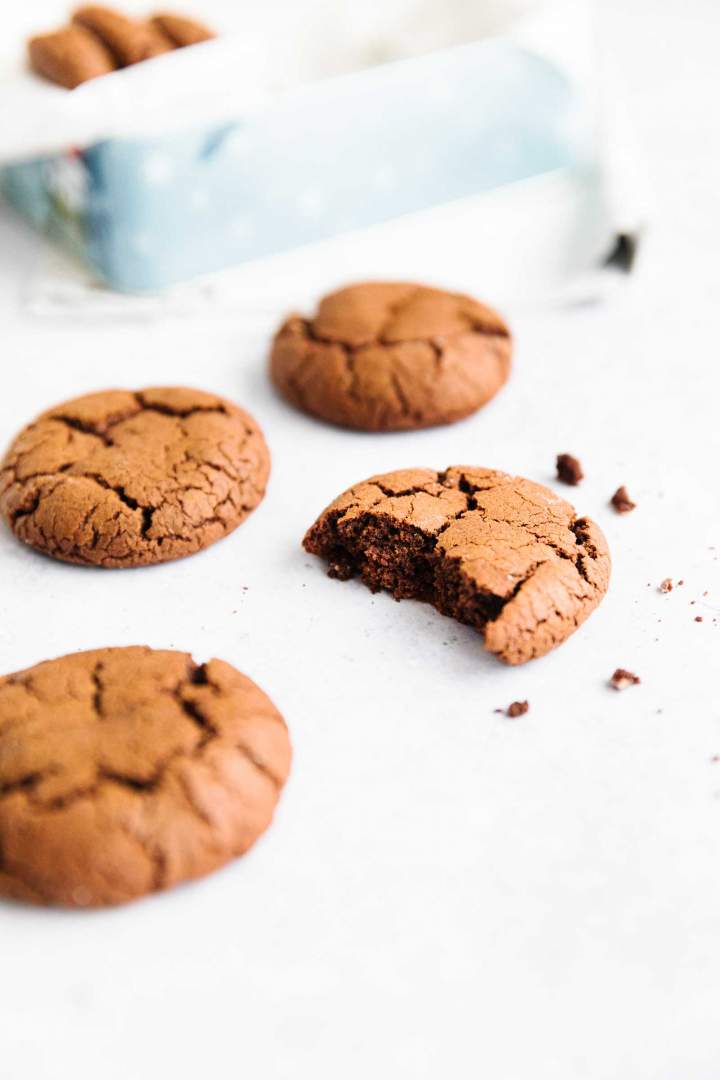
(499, 553)
(127, 479)
(127, 771)
(392, 357)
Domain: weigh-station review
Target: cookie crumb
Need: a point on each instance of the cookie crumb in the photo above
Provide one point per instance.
(622, 501)
(518, 708)
(666, 585)
(698, 618)
(569, 469)
(622, 679)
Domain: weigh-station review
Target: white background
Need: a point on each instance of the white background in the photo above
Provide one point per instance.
(445, 892)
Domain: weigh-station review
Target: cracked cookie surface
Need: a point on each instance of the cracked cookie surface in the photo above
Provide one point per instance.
(392, 357)
(497, 552)
(127, 771)
(121, 478)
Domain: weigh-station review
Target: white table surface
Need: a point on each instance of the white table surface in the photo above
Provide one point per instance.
(445, 892)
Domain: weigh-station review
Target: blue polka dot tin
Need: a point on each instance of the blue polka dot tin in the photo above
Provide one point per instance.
(338, 155)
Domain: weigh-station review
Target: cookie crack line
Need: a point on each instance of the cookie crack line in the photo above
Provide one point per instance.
(186, 485)
(385, 356)
(126, 771)
(208, 732)
(475, 325)
(510, 587)
(103, 430)
(86, 428)
(578, 526)
(176, 411)
(433, 341)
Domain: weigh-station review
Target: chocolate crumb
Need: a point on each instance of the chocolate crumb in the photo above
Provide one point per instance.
(666, 585)
(622, 501)
(698, 618)
(569, 469)
(518, 708)
(622, 679)
(681, 581)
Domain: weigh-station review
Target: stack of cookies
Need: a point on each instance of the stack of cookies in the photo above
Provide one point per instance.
(100, 40)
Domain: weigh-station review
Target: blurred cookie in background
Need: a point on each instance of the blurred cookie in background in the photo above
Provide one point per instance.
(100, 40)
(392, 357)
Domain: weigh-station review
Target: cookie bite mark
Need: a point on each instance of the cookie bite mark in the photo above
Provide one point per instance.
(496, 552)
(121, 479)
(392, 357)
(70, 56)
(129, 40)
(127, 771)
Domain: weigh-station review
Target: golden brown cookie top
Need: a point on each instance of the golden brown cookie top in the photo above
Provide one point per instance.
(126, 771)
(123, 478)
(385, 357)
(380, 313)
(498, 552)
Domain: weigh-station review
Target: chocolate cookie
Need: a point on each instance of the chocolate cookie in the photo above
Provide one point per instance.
(70, 56)
(499, 553)
(127, 479)
(126, 771)
(129, 40)
(180, 30)
(392, 357)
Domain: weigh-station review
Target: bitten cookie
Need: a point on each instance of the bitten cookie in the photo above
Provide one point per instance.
(127, 771)
(129, 40)
(392, 357)
(499, 553)
(127, 479)
(70, 56)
